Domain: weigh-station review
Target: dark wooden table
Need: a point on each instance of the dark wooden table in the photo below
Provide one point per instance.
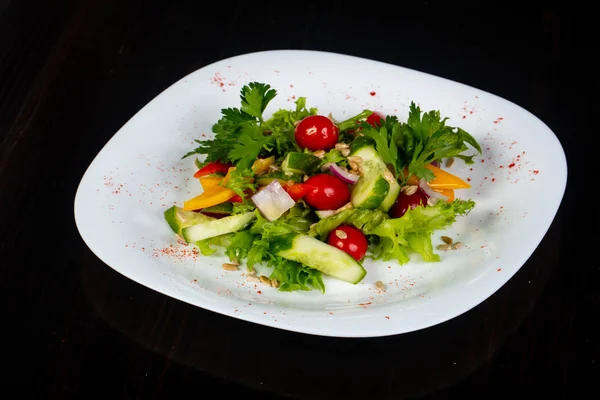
(73, 72)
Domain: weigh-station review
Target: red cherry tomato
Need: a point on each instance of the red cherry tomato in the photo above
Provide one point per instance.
(404, 201)
(214, 167)
(349, 239)
(376, 119)
(328, 193)
(316, 132)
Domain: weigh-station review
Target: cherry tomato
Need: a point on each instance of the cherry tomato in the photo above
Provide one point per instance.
(376, 119)
(316, 132)
(298, 190)
(328, 193)
(404, 201)
(214, 167)
(349, 239)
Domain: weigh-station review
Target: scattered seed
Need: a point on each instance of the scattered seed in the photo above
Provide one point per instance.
(274, 167)
(355, 159)
(449, 162)
(252, 278)
(361, 170)
(457, 245)
(346, 206)
(444, 247)
(353, 165)
(265, 280)
(345, 152)
(275, 283)
(341, 234)
(230, 267)
(340, 146)
(305, 178)
(319, 153)
(380, 285)
(288, 173)
(431, 201)
(410, 189)
(447, 239)
(389, 176)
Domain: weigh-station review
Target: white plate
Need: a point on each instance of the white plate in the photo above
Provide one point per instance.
(518, 184)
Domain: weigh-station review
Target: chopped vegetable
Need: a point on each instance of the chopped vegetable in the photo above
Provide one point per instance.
(304, 195)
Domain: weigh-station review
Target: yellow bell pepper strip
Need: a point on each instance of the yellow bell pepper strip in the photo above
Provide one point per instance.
(443, 179)
(212, 195)
(209, 197)
(262, 165)
(209, 181)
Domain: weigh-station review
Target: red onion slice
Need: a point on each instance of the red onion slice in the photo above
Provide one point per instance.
(430, 192)
(344, 175)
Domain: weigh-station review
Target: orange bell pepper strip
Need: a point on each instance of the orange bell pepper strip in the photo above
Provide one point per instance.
(443, 179)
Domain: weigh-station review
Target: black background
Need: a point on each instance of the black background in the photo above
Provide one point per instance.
(73, 72)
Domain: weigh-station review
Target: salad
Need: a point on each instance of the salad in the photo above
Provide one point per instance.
(305, 195)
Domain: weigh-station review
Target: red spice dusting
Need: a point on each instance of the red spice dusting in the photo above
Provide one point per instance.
(372, 93)
(468, 179)
(218, 79)
(493, 179)
(497, 121)
(499, 269)
(535, 171)
(511, 165)
(259, 292)
(386, 317)
(178, 253)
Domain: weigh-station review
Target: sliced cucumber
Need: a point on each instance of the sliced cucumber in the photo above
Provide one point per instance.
(178, 219)
(392, 195)
(300, 163)
(372, 187)
(217, 227)
(264, 180)
(321, 256)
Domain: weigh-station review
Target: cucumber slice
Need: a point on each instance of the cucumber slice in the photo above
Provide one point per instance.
(392, 195)
(372, 187)
(264, 180)
(323, 257)
(300, 163)
(217, 227)
(178, 219)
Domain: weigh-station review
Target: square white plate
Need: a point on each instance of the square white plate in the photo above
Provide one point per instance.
(517, 184)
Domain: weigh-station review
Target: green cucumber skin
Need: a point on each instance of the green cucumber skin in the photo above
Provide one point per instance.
(300, 163)
(217, 227)
(177, 225)
(371, 202)
(391, 197)
(323, 257)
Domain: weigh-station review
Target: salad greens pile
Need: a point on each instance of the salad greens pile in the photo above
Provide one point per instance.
(256, 150)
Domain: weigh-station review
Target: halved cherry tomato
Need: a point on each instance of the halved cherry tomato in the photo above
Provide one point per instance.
(298, 190)
(349, 239)
(404, 201)
(316, 132)
(328, 192)
(214, 167)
